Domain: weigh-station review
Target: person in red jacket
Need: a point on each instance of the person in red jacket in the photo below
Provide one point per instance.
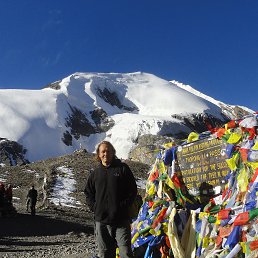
(110, 191)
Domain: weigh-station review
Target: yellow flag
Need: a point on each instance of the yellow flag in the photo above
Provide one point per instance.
(169, 145)
(253, 165)
(161, 167)
(255, 147)
(176, 246)
(242, 180)
(234, 138)
(192, 137)
(151, 190)
(169, 183)
(232, 162)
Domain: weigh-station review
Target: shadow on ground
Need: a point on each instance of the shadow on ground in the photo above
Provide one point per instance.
(25, 225)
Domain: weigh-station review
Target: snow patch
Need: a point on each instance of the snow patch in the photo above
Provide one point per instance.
(65, 185)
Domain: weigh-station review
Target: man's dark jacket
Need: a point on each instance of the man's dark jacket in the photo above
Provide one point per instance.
(110, 191)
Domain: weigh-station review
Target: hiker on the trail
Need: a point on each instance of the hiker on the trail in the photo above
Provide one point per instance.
(110, 190)
(32, 200)
(9, 194)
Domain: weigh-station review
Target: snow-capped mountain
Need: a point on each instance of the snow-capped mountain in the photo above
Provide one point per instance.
(232, 111)
(81, 110)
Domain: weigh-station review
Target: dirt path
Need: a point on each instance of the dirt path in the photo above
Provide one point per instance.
(51, 233)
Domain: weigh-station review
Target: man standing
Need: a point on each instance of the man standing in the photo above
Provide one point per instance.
(110, 191)
(32, 200)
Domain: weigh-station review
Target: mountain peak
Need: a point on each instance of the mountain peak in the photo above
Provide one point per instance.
(85, 108)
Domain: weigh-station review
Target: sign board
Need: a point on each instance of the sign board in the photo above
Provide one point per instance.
(202, 161)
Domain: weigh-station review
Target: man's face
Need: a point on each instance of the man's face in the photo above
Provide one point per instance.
(106, 154)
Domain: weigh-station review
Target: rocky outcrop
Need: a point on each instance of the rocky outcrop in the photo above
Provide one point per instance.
(79, 124)
(202, 122)
(235, 112)
(54, 85)
(113, 99)
(102, 121)
(148, 147)
(12, 153)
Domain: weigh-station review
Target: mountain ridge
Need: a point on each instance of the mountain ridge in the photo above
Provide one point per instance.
(84, 108)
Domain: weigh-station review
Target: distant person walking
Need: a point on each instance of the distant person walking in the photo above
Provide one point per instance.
(32, 200)
(110, 191)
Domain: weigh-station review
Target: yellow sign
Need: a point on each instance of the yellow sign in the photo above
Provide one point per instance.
(202, 161)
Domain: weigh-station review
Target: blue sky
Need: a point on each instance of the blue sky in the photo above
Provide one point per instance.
(210, 45)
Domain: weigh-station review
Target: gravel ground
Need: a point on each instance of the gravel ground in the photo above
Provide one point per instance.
(51, 233)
